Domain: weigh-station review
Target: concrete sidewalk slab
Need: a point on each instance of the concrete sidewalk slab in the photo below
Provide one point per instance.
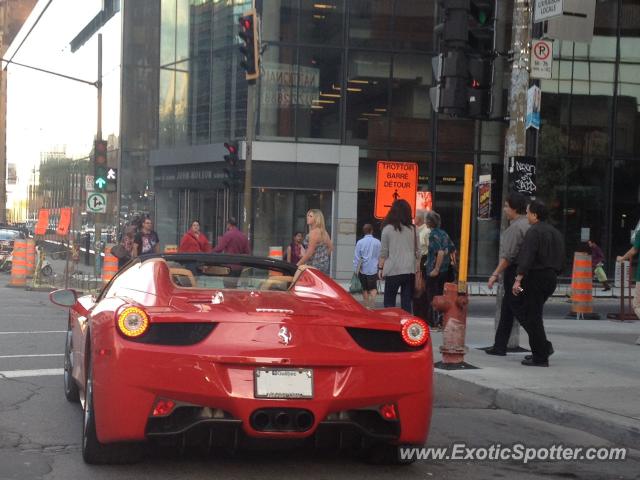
(592, 384)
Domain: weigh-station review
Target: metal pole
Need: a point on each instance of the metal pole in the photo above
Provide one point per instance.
(248, 169)
(515, 138)
(466, 227)
(98, 216)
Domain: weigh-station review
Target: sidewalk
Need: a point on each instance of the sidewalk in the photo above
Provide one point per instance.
(592, 383)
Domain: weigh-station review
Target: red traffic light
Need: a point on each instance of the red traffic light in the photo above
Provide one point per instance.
(246, 23)
(231, 148)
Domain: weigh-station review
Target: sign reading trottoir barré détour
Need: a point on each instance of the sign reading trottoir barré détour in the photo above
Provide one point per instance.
(394, 181)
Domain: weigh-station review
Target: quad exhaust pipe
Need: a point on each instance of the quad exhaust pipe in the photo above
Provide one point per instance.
(281, 420)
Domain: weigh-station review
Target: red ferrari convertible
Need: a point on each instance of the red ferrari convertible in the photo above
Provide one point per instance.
(219, 349)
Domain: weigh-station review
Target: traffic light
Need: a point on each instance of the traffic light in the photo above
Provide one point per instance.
(463, 69)
(112, 180)
(250, 47)
(232, 173)
(100, 164)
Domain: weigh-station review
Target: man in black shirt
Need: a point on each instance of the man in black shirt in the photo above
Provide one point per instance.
(540, 260)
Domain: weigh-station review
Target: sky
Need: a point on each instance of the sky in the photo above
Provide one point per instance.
(47, 113)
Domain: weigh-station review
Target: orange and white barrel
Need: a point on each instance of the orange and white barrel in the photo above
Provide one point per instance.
(109, 265)
(581, 284)
(19, 264)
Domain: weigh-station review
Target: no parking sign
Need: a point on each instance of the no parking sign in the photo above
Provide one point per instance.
(541, 59)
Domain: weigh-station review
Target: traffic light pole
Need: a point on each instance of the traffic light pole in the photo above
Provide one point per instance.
(248, 173)
(98, 216)
(515, 143)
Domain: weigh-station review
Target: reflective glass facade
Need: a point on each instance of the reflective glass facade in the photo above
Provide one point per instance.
(358, 72)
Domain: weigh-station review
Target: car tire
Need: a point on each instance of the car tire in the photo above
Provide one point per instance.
(386, 454)
(94, 452)
(71, 390)
(47, 271)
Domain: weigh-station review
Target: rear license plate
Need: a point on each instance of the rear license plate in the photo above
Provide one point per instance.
(283, 383)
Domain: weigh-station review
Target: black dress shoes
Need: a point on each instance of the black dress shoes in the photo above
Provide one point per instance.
(493, 351)
(530, 357)
(528, 362)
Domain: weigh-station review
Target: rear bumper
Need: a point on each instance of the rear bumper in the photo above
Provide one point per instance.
(129, 378)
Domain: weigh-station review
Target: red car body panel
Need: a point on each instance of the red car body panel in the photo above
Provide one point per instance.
(218, 372)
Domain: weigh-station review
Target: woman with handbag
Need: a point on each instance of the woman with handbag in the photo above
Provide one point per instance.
(399, 255)
(365, 264)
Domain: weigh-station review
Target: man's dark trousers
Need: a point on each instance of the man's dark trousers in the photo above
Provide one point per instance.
(510, 303)
(538, 285)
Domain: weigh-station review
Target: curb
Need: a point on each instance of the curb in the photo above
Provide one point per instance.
(616, 428)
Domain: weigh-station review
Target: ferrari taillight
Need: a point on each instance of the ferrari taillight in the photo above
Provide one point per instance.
(163, 407)
(415, 332)
(388, 411)
(133, 322)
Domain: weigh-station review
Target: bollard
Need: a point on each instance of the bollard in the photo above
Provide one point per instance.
(31, 257)
(454, 307)
(19, 264)
(110, 265)
(582, 288)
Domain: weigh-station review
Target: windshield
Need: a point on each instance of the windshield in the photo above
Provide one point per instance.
(220, 275)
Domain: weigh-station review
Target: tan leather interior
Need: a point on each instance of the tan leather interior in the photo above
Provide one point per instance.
(182, 277)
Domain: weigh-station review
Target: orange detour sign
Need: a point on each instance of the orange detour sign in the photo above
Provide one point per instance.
(394, 181)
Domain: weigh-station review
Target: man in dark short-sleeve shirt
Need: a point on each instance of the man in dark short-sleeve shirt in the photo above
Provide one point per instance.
(540, 260)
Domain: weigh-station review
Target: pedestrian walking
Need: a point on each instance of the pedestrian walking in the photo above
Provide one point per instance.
(194, 240)
(399, 255)
(233, 242)
(420, 307)
(540, 260)
(437, 265)
(295, 250)
(146, 240)
(365, 264)
(318, 244)
(628, 256)
(597, 263)
(515, 209)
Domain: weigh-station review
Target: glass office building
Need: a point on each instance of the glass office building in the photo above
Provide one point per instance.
(344, 84)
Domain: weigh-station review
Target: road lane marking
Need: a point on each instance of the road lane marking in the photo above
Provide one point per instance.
(31, 373)
(35, 331)
(34, 355)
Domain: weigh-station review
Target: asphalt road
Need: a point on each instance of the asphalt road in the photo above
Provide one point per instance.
(40, 430)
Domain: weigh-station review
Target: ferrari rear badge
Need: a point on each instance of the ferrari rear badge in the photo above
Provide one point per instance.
(284, 335)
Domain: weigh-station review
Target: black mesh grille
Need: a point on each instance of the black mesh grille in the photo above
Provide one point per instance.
(380, 340)
(176, 333)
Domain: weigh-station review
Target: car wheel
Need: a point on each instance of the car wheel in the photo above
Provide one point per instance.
(47, 271)
(94, 452)
(70, 386)
(386, 454)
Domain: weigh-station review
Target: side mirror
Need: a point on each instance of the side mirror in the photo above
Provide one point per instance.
(64, 298)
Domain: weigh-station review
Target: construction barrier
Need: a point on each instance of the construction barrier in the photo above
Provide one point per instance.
(276, 253)
(19, 264)
(31, 257)
(110, 265)
(582, 287)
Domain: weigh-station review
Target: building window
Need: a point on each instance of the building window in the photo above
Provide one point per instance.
(370, 23)
(321, 22)
(368, 98)
(279, 93)
(319, 94)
